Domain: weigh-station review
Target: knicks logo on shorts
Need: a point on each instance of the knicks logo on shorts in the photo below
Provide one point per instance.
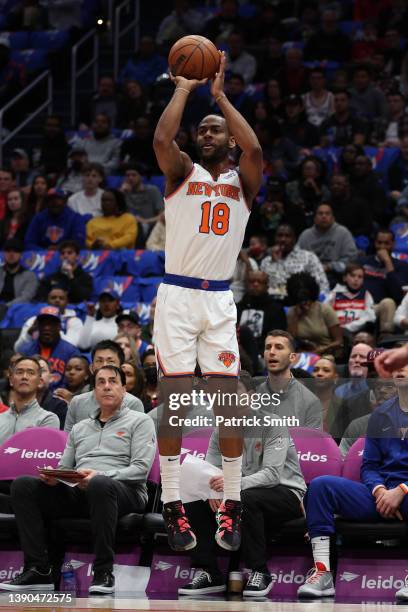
(227, 358)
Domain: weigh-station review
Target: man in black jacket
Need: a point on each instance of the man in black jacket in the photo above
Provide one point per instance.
(71, 276)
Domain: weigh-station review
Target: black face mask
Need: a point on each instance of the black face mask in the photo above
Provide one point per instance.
(151, 375)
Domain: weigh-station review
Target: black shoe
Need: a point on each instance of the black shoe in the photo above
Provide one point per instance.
(177, 526)
(202, 584)
(258, 585)
(228, 517)
(103, 582)
(30, 580)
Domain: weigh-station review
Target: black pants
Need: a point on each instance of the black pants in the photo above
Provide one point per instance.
(104, 501)
(263, 510)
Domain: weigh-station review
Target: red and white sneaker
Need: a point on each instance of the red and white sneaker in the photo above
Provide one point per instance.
(319, 583)
(177, 526)
(228, 534)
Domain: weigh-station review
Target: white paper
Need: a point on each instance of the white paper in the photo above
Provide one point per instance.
(194, 476)
(69, 483)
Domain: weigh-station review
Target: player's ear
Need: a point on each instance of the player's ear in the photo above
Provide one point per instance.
(232, 142)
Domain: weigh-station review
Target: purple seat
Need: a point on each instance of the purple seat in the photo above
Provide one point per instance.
(318, 453)
(353, 459)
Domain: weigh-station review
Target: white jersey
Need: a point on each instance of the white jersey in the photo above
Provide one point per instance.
(205, 225)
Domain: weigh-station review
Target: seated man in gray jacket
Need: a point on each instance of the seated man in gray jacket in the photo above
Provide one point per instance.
(295, 400)
(106, 352)
(17, 285)
(272, 488)
(112, 452)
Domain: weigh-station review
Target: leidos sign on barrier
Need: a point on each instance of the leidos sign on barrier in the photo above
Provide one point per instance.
(169, 572)
(376, 578)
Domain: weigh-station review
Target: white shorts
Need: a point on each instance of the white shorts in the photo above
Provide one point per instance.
(190, 326)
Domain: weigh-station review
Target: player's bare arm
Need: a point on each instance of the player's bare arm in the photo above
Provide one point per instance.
(250, 163)
(174, 164)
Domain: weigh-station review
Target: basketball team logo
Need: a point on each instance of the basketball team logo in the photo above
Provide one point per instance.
(54, 233)
(227, 358)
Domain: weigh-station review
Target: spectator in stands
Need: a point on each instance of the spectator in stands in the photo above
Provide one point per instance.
(366, 185)
(296, 126)
(134, 103)
(148, 330)
(70, 275)
(226, 21)
(150, 370)
(398, 171)
(116, 229)
(315, 325)
(393, 51)
(37, 197)
(135, 380)
(272, 490)
(25, 411)
(129, 323)
(352, 303)
(106, 101)
(72, 181)
(20, 164)
(384, 277)
(145, 202)
(258, 310)
(287, 259)
(280, 152)
(113, 474)
(366, 99)
(295, 399)
(239, 98)
(318, 102)
(82, 406)
(147, 65)
(47, 398)
(349, 210)
(87, 201)
(309, 189)
(357, 371)
(7, 182)
(257, 249)
(54, 147)
(54, 224)
(15, 222)
(347, 158)
(17, 285)
(381, 494)
(325, 378)
(76, 379)
(343, 127)
(157, 237)
(293, 75)
(128, 346)
(102, 147)
(365, 338)
(101, 324)
(270, 62)
(71, 325)
(401, 314)
(12, 74)
(239, 61)
(7, 389)
(331, 242)
(139, 149)
(329, 43)
(387, 129)
(182, 20)
(272, 97)
(49, 343)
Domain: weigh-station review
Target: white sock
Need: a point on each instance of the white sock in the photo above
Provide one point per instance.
(232, 470)
(321, 552)
(170, 477)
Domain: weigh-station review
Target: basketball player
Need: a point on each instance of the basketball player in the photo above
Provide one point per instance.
(207, 207)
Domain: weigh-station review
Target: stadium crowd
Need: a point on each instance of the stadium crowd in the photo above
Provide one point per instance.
(321, 280)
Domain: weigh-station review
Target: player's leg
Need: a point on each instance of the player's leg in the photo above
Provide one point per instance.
(218, 356)
(176, 357)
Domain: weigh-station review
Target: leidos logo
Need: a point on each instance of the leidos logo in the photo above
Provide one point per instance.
(10, 572)
(162, 566)
(309, 456)
(181, 573)
(348, 576)
(187, 451)
(33, 454)
(390, 582)
(290, 578)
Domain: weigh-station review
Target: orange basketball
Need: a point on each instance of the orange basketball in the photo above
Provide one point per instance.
(194, 57)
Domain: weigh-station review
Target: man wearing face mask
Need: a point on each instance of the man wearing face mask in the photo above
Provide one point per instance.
(77, 160)
(150, 371)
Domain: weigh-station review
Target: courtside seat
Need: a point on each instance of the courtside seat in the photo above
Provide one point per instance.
(377, 530)
(8, 527)
(78, 530)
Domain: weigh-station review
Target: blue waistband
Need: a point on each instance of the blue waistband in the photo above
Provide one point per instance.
(196, 283)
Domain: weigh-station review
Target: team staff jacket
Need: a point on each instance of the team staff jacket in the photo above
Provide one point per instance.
(31, 415)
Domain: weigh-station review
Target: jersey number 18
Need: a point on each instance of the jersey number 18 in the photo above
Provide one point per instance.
(216, 220)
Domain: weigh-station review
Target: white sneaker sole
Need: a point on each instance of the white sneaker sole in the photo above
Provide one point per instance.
(215, 589)
(32, 587)
(401, 596)
(101, 589)
(258, 593)
(317, 593)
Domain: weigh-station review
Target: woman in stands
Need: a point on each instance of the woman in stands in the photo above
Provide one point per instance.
(152, 387)
(348, 157)
(36, 201)
(136, 382)
(325, 379)
(76, 379)
(309, 189)
(129, 347)
(15, 223)
(116, 229)
(314, 325)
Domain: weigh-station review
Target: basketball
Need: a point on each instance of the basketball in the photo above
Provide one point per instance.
(194, 57)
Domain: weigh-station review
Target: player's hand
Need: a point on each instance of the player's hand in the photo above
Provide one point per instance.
(189, 84)
(89, 474)
(389, 361)
(214, 504)
(217, 483)
(217, 84)
(388, 502)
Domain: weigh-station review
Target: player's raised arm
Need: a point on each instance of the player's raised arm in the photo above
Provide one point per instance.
(250, 163)
(173, 163)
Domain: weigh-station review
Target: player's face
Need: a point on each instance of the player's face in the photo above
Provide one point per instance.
(213, 140)
(278, 354)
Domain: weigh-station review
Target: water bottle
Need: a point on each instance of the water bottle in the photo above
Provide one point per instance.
(68, 578)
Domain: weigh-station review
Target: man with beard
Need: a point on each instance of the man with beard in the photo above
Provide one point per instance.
(207, 209)
(102, 147)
